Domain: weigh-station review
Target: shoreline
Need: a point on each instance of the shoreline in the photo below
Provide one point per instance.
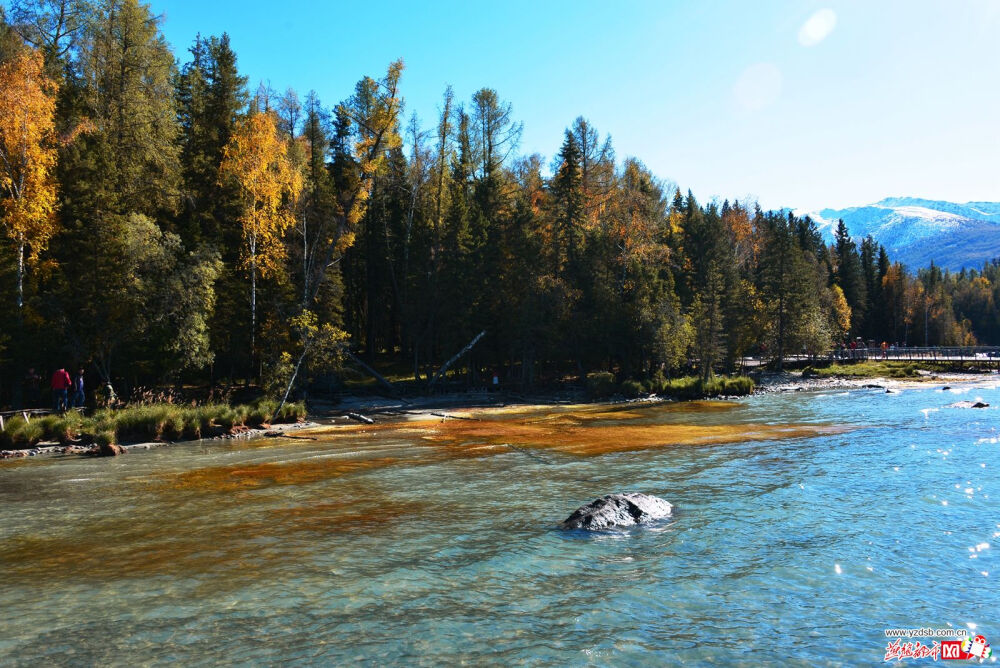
(54, 449)
(355, 409)
(794, 382)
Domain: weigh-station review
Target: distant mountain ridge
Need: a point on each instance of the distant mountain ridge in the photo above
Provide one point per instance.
(916, 231)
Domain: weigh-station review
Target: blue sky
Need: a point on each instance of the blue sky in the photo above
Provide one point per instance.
(799, 104)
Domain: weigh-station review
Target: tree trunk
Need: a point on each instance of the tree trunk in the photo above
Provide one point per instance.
(374, 374)
(291, 381)
(305, 260)
(370, 277)
(781, 332)
(454, 359)
(20, 274)
(253, 310)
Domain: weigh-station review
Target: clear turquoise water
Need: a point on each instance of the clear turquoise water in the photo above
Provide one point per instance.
(796, 551)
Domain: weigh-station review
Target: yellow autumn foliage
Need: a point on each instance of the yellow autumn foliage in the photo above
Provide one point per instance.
(27, 151)
(375, 110)
(256, 160)
(841, 313)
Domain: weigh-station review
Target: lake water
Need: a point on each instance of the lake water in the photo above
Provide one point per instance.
(805, 524)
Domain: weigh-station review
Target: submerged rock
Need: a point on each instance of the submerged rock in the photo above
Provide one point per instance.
(970, 404)
(617, 510)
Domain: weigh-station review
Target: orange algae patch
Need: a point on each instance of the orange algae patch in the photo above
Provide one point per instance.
(577, 430)
(583, 430)
(355, 431)
(603, 440)
(344, 515)
(252, 476)
(593, 416)
(587, 440)
(633, 410)
(241, 477)
(18, 462)
(184, 545)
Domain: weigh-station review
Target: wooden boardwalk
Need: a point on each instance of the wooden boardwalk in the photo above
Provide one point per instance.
(933, 353)
(28, 413)
(987, 355)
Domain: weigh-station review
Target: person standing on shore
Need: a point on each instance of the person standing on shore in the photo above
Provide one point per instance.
(61, 383)
(79, 397)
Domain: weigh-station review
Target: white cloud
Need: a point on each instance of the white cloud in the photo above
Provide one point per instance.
(817, 27)
(758, 86)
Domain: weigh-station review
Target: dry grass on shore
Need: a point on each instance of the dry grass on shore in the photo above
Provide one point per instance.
(145, 422)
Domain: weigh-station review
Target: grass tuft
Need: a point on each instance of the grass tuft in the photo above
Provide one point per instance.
(145, 422)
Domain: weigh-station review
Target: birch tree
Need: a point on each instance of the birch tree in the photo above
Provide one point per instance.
(256, 160)
(27, 157)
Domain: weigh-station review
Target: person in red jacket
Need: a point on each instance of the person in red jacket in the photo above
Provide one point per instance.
(61, 383)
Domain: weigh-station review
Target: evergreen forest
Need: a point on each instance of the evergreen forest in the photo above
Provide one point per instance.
(166, 222)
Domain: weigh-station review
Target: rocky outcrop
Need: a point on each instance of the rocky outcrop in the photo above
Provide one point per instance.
(617, 510)
(110, 450)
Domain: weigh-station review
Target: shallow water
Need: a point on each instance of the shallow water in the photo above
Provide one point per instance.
(805, 524)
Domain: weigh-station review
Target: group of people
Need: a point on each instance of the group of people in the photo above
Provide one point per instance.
(67, 392)
(859, 349)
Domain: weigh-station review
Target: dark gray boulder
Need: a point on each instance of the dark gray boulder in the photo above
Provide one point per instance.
(617, 510)
(969, 404)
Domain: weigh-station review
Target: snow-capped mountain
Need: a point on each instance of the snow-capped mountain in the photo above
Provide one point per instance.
(915, 231)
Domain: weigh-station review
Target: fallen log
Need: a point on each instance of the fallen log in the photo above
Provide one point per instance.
(281, 434)
(361, 418)
(467, 348)
(455, 417)
(372, 372)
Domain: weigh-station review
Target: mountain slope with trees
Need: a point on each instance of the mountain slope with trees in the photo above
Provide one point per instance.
(918, 231)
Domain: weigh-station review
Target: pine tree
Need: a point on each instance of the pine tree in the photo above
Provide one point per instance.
(121, 170)
(596, 169)
(54, 27)
(850, 277)
(10, 42)
(568, 201)
(131, 158)
(787, 286)
(458, 301)
(317, 216)
(869, 270)
(494, 133)
(709, 281)
(211, 97)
